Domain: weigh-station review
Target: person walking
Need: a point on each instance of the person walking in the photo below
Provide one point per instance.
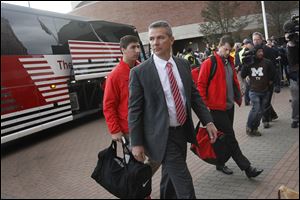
(116, 93)
(219, 96)
(293, 59)
(271, 54)
(261, 74)
(161, 95)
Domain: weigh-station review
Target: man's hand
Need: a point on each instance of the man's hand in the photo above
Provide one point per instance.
(117, 136)
(247, 79)
(212, 131)
(138, 153)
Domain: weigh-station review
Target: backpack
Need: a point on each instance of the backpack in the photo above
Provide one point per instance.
(213, 70)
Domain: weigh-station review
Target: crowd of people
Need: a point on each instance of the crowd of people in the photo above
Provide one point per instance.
(279, 76)
(151, 102)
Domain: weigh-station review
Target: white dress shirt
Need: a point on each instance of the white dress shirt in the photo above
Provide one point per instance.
(160, 65)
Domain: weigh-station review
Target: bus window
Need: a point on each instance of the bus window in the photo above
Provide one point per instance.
(10, 45)
(73, 30)
(112, 32)
(34, 34)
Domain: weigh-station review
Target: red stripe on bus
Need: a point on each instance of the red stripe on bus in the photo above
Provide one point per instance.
(95, 43)
(42, 74)
(48, 85)
(82, 58)
(54, 90)
(86, 53)
(38, 68)
(93, 48)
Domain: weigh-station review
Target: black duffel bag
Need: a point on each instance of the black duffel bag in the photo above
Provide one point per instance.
(126, 178)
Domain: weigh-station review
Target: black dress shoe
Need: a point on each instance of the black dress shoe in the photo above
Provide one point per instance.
(252, 172)
(274, 117)
(294, 124)
(224, 169)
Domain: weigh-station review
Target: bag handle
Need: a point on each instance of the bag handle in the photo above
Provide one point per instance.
(124, 145)
(127, 154)
(114, 145)
(197, 128)
(219, 134)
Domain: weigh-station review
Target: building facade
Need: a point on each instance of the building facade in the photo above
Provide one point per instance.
(184, 17)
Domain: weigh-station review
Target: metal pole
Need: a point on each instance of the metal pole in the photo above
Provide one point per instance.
(29, 4)
(265, 19)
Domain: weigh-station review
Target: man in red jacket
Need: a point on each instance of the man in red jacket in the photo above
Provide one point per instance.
(116, 93)
(115, 100)
(219, 95)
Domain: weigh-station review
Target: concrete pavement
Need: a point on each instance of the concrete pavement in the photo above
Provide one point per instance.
(58, 163)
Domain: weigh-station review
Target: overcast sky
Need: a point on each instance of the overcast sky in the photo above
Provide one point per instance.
(55, 6)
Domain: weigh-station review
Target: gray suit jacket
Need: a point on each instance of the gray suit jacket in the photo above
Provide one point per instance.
(148, 115)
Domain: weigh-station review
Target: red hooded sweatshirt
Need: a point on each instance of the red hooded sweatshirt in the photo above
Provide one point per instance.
(115, 100)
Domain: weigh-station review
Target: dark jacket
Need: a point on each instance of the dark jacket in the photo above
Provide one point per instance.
(293, 59)
(148, 112)
(261, 74)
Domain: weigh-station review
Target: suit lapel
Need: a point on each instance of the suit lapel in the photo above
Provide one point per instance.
(155, 78)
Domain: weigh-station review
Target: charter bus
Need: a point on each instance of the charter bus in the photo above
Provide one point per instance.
(53, 67)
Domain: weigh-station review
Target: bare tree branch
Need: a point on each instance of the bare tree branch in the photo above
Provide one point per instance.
(219, 17)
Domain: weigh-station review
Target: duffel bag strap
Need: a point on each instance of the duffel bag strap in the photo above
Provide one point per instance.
(127, 155)
(114, 145)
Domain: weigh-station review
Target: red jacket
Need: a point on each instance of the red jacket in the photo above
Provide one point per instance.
(115, 100)
(216, 98)
(195, 74)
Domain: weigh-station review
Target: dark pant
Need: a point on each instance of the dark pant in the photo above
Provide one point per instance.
(176, 180)
(246, 96)
(269, 111)
(294, 87)
(223, 121)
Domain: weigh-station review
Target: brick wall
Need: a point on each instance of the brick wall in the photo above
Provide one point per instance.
(142, 13)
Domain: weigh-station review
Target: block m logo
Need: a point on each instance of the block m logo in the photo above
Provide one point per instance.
(257, 72)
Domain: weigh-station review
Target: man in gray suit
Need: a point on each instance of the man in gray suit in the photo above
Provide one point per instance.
(161, 95)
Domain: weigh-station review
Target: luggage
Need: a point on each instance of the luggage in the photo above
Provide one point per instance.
(123, 178)
(216, 153)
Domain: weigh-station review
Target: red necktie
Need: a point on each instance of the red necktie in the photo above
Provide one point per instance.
(180, 109)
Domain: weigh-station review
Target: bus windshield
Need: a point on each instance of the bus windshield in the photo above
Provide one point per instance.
(113, 32)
